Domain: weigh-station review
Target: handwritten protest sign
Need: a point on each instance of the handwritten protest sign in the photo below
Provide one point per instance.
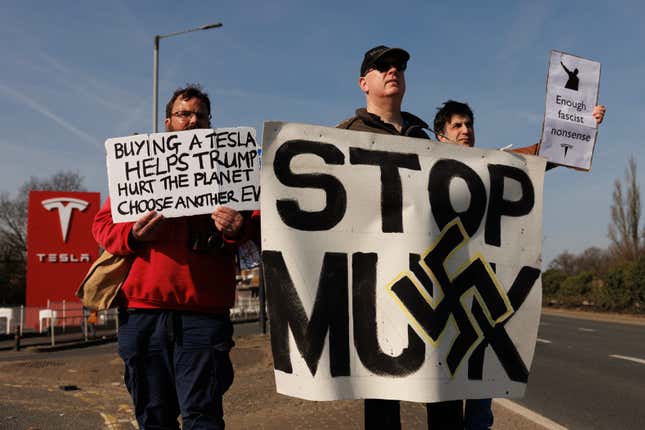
(183, 173)
(399, 268)
(569, 130)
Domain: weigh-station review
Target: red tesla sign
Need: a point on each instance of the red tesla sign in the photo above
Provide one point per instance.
(60, 246)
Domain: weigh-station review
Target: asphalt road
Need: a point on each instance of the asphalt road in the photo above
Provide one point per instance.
(574, 381)
(577, 381)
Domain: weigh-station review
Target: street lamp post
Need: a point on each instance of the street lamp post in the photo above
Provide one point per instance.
(155, 66)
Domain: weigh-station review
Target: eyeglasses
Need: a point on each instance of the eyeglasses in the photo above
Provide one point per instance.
(385, 65)
(185, 115)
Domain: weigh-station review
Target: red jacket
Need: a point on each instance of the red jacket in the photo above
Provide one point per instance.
(167, 273)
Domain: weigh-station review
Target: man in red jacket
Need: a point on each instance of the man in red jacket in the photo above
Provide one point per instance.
(174, 328)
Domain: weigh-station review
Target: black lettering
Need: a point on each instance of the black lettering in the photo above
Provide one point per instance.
(330, 314)
(195, 142)
(441, 175)
(119, 150)
(250, 193)
(335, 194)
(250, 139)
(135, 207)
(150, 166)
(200, 158)
(365, 329)
(570, 134)
(121, 208)
(122, 189)
(391, 189)
(245, 157)
(135, 168)
(498, 206)
(230, 196)
(158, 147)
(497, 337)
(233, 138)
(171, 182)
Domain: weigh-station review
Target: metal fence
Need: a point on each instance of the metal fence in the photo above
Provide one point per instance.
(248, 296)
(60, 321)
(69, 321)
(68, 318)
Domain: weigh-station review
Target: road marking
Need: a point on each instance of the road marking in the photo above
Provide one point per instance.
(109, 421)
(543, 340)
(624, 357)
(590, 330)
(529, 414)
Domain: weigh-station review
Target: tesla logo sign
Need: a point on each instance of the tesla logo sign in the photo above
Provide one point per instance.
(65, 207)
(60, 246)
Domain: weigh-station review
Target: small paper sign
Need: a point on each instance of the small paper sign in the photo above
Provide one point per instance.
(569, 130)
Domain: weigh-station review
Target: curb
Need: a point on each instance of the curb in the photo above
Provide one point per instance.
(72, 345)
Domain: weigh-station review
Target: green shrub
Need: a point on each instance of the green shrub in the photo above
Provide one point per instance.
(551, 281)
(617, 294)
(574, 290)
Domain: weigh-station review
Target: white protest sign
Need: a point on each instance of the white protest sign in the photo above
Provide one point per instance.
(183, 173)
(569, 130)
(399, 268)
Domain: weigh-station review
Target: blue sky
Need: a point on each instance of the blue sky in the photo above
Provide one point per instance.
(76, 73)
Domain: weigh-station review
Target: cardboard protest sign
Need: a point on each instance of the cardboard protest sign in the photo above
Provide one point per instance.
(399, 268)
(569, 129)
(183, 173)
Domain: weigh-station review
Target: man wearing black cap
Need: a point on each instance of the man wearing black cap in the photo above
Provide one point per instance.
(382, 79)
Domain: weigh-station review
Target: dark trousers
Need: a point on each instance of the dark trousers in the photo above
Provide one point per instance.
(479, 414)
(386, 415)
(176, 363)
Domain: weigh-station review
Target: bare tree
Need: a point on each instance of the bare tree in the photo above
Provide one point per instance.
(624, 231)
(565, 262)
(13, 212)
(594, 260)
(13, 230)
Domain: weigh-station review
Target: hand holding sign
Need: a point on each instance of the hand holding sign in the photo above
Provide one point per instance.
(145, 228)
(228, 221)
(599, 113)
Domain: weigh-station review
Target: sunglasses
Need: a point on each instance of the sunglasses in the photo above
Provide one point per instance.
(385, 65)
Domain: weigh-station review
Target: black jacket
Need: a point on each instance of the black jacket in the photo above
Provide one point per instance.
(365, 121)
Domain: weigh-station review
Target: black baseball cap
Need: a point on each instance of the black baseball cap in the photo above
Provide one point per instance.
(377, 52)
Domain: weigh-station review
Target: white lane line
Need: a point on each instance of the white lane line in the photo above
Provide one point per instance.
(590, 330)
(109, 421)
(529, 414)
(543, 340)
(624, 357)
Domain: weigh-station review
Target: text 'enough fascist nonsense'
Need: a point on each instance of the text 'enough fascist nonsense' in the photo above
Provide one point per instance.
(183, 173)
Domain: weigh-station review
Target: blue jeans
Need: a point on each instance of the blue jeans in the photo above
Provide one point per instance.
(479, 414)
(176, 363)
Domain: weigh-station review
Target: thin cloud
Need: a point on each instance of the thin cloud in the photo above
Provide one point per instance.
(524, 30)
(42, 109)
(86, 85)
(530, 117)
